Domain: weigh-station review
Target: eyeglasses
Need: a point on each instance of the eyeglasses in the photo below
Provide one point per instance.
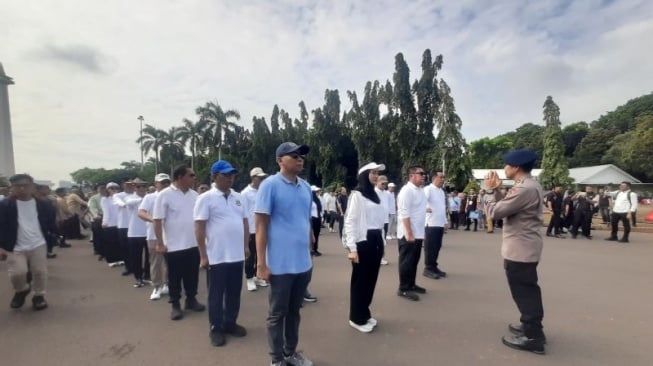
(296, 156)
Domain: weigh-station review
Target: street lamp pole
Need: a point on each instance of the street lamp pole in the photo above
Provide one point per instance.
(140, 119)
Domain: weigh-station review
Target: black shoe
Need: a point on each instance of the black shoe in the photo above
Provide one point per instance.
(126, 273)
(573, 236)
(19, 299)
(217, 338)
(176, 313)
(588, 237)
(612, 238)
(139, 284)
(418, 289)
(310, 298)
(431, 274)
(64, 245)
(317, 253)
(467, 229)
(51, 255)
(236, 330)
(194, 305)
(518, 329)
(442, 274)
(524, 344)
(408, 295)
(100, 258)
(549, 234)
(559, 236)
(39, 303)
(623, 240)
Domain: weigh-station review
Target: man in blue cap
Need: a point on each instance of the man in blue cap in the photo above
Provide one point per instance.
(521, 211)
(222, 234)
(283, 237)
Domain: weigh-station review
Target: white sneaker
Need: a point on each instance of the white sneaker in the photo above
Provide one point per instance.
(388, 237)
(365, 328)
(156, 294)
(260, 283)
(384, 262)
(372, 322)
(251, 285)
(164, 290)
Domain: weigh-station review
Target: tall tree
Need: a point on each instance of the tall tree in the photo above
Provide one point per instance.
(451, 148)
(193, 134)
(172, 148)
(219, 122)
(428, 102)
(405, 129)
(554, 164)
(152, 140)
(487, 153)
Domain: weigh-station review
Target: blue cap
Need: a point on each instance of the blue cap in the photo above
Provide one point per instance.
(520, 157)
(222, 167)
(291, 147)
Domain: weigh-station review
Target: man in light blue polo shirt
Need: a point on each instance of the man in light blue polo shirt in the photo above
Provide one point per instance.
(283, 236)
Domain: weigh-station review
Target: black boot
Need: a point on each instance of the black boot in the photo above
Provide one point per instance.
(176, 313)
(194, 305)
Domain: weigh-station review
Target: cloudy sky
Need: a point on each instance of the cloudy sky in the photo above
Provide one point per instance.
(85, 70)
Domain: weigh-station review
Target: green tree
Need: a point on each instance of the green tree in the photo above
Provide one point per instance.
(406, 128)
(152, 140)
(633, 150)
(219, 122)
(572, 135)
(593, 146)
(487, 153)
(172, 148)
(193, 134)
(428, 103)
(451, 149)
(554, 164)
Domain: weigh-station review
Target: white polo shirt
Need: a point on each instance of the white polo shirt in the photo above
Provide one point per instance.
(436, 201)
(249, 195)
(175, 209)
(411, 203)
(225, 231)
(109, 212)
(147, 205)
(137, 227)
(119, 199)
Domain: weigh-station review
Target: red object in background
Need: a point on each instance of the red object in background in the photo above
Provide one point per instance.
(649, 218)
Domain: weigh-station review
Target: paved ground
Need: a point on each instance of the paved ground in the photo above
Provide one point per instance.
(597, 298)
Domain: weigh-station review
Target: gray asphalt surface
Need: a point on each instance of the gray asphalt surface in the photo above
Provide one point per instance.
(597, 298)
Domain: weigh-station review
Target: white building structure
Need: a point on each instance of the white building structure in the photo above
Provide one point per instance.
(7, 167)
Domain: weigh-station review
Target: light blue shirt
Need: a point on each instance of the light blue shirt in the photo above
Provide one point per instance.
(289, 206)
(454, 204)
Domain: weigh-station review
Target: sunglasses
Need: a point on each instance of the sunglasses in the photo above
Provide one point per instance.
(420, 173)
(296, 156)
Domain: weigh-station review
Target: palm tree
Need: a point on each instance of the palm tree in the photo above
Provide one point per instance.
(219, 122)
(194, 135)
(152, 141)
(172, 149)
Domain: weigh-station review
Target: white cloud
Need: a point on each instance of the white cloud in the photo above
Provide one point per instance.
(85, 70)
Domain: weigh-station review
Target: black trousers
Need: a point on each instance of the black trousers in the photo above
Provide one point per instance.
(250, 262)
(364, 275)
(582, 219)
(183, 267)
(409, 254)
(96, 229)
(141, 269)
(432, 244)
(555, 224)
(633, 218)
(224, 282)
(332, 218)
(111, 245)
(605, 214)
(615, 218)
(522, 279)
(124, 248)
(453, 219)
(316, 225)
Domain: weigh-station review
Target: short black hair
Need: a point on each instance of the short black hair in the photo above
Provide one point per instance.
(95, 187)
(411, 169)
(179, 171)
(60, 189)
(626, 183)
(15, 178)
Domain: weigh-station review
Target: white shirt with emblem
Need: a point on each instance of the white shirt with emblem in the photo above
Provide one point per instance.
(225, 230)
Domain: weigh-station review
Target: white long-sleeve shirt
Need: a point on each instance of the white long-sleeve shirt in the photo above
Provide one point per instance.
(625, 202)
(109, 212)
(411, 204)
(361, 215)
(436, 201)
(119, 199)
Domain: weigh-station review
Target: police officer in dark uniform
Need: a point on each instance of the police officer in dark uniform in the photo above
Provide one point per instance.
(554, 204)
(584, 209)
(521, 210)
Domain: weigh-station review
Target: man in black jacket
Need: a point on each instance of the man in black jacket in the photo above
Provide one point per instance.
(26, 224)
